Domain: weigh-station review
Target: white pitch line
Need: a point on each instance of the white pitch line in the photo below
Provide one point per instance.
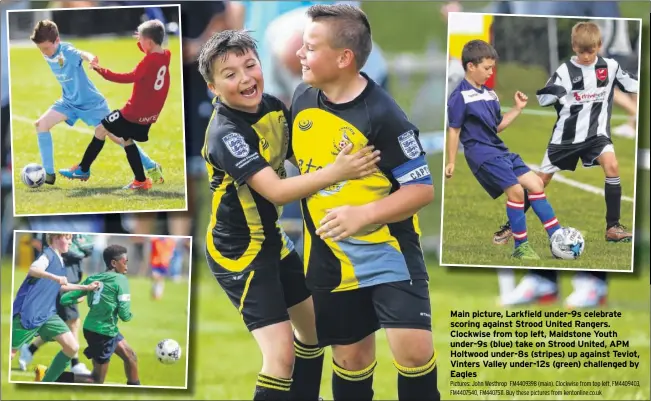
(31, 121)
(548, 113)
(578, 184)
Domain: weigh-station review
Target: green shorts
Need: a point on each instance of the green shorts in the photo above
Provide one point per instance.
(47, 331)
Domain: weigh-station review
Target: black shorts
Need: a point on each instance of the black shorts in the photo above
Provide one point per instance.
(100, 347)
(566, 157)
(346, 317)
(116, 124)
(263, 296)
(67, 312)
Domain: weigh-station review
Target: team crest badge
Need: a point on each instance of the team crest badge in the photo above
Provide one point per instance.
(409, 144)
(60, 60)
(344, 141)
(602, 73)
(236, 144)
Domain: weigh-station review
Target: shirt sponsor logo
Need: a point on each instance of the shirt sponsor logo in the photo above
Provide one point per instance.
(589, 96)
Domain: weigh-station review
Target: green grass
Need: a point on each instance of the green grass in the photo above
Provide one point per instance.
(225, 360)
(32, 96)
(466, 201)
(153, 321)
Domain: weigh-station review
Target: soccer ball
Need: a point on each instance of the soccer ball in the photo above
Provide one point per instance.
(567, 243)
(33, 175)
(168, 351)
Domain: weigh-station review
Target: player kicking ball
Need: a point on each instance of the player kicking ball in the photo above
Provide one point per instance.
(151, 83)
(579, 87)
(475, 117)
(80, 99)
(110, 301)
(34, 308)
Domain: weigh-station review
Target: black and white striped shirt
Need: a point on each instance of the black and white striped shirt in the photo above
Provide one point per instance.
(583, 98)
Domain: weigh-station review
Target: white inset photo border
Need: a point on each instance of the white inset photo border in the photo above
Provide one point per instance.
(31, 99)
(469, 216)
(159, 279)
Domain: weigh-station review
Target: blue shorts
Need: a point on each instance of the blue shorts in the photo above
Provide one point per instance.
(92, 116)
(100, 347)
(162, 271)
(500, 172)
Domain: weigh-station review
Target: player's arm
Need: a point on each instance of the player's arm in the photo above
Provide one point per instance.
(626, 81)
(80, 287)
(124, 301)
(404, 157)
(236, 153)
(123, 78)
(554, 91)
(456, 116)
(74, 296)
(505, 120)
(38, 267)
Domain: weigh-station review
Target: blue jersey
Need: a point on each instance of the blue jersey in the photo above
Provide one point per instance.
(78, 90)
(36, 298)
(477, 113)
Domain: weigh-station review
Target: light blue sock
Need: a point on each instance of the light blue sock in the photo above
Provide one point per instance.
(46, 148)
(147, 162)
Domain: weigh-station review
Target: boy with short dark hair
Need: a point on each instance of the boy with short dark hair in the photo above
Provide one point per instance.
(110, 302)
(151, 83)
(475, 117)
(364, 262)
(253, 260)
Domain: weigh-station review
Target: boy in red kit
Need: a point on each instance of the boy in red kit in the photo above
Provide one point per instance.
(151, 82)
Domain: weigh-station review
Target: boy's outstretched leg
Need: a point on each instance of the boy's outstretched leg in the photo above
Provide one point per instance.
(615, 231)
(45, 145)
(140, 182)
(153, 169)
(128, 356)
(60, 363)
(518, 223)
(536, 193)
(81, 171)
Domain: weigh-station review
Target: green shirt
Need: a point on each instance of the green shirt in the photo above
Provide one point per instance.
(108, 302)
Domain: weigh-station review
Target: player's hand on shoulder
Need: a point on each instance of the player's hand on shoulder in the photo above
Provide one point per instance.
(357, 165)
(449, 170)
(520, 100)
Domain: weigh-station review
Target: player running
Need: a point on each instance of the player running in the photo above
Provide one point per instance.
(80, 248)
(110, 301)
(475, 117)
(80, 99)
(162, 251)
(34, 308)
(151, 83)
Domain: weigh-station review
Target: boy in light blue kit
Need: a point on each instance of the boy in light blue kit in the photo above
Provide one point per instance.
(80, 99)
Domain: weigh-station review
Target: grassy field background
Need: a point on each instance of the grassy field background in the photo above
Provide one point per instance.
(225, 359)
(34, 90)
(153, 321)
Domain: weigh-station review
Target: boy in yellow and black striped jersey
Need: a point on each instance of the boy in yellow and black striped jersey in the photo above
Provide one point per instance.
(246, 145)
(364, 263)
